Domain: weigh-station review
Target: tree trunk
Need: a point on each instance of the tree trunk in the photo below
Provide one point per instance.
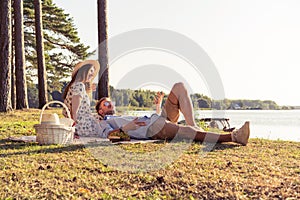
(5, 54)
(103, 83)
(12, 71)
(42, 83)
(21, 86)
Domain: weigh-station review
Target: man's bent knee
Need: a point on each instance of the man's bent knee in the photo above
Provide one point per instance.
(179, 88)
(179, 85)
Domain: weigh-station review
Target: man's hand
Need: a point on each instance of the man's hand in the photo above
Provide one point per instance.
(157, 101)
(158, 98)
(133, 125)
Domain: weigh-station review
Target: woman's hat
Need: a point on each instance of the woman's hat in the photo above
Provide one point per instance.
(95, 63)
(52, 119)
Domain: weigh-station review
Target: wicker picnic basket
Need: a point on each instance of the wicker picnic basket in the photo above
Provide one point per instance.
(51, 131)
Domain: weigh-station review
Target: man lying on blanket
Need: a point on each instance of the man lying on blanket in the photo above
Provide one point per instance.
(164, 126)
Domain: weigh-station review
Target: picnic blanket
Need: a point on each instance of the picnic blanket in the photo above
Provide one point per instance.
(82, 140)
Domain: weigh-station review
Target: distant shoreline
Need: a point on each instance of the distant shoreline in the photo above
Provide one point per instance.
(132, 108)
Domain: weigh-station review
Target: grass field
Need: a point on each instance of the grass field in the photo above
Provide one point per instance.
(263, 169)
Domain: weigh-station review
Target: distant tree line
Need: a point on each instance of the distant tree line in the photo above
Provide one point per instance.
(135, 98)
(144, 98)
(244, 104)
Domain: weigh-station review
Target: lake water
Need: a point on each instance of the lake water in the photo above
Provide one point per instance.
(267, 124)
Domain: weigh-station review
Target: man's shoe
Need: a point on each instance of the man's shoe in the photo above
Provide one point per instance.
(241, 135)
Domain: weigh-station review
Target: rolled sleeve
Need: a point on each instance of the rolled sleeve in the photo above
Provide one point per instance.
(105, 128)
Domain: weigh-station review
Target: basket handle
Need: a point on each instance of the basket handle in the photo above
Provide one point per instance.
(51, 102)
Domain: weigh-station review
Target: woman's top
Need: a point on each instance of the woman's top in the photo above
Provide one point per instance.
(86, 124)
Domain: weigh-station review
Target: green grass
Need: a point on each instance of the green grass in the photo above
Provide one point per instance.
(263, 169)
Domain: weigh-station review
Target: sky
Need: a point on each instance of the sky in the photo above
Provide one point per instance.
(254, 45)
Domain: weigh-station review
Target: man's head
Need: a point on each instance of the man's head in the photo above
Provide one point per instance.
(105, 107)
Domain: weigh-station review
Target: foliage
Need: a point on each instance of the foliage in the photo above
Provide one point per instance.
(244, 104)
(144, 98)
(263, 169)
(61, 43)
(32, 93)
(135, 98)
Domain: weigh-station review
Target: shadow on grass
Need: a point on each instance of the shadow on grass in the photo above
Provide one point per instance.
(20, 148)
(206, 146)
(223, 146)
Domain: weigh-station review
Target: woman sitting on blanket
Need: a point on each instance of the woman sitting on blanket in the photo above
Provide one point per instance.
(164, 126)
(76, 97)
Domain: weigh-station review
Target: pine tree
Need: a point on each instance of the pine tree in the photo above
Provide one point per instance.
(42, 84)
(62, 46)
(21, 86)
(103, 83)
(5, 54)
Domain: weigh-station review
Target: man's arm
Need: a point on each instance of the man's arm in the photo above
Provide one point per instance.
(157, 100)
(105, 129)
